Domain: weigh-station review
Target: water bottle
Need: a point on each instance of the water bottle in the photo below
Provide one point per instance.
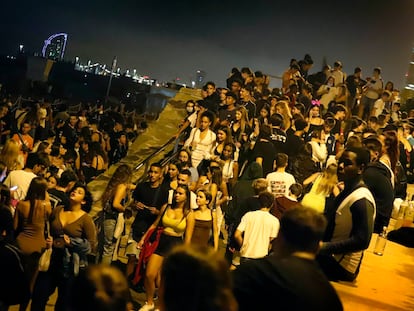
(403, 207)
(380, 243)
(409, 215)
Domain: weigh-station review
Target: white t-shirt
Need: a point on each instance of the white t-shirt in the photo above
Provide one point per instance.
(22, 180)
(379, 106)
(258, 227)
(279, 183)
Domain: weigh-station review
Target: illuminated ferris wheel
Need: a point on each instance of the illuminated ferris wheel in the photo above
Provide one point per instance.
(55, 45)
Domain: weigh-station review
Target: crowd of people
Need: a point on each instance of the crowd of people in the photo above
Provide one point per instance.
(283, 177)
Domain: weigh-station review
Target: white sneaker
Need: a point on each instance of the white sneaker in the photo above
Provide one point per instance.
(147, 307)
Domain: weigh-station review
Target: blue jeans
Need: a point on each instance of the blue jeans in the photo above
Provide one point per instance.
(108, 243)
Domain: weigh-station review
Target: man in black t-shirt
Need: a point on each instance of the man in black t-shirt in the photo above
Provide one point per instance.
(59, 195)
(294, 141)
(278, 136)
(289, 279)
(149, 197)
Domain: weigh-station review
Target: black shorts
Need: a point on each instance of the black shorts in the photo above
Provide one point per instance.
(167, 243)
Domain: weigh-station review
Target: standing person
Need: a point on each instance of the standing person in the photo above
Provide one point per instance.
(377, 177)
(354, 83)
(9, 155)
(259, 228)
(114, 200)
(14, 286)
(372, 91)
(351, 221)
(219, 191)
(228, 114)
(280, 181)
(240, 126)
(36, 165)
(171, 178)
(319, 150)
(29, 223)
(59, 194)
(264, 150)
(230, 166)
(223, 137)
(195, 278)
(323, 185)
(178, 222)
(246, 101)
(185, 162)
(288, 277)
(205, 221)
(149, 197)
(201, 140)
(74, 236)
(100, 288)
(25, 142)
(121, 148)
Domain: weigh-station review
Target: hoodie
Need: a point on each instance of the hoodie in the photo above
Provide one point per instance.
(377, 177)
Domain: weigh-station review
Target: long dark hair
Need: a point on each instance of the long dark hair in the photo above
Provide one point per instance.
(122, 175)
(391, 147)
(208, 196)
(37, 191)
(187, 208)
(216, 175)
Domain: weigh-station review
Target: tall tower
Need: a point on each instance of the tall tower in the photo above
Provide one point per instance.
(54, 47)
(408, 92)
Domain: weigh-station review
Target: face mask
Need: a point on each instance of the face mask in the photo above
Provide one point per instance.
(190, 109)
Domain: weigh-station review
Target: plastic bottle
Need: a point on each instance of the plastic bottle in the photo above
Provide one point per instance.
(380, 243)
(400, 219)
(409, 215)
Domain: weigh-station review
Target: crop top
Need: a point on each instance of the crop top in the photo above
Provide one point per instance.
(174, 226)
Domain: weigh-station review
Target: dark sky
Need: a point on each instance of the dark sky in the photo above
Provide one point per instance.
(168, 39)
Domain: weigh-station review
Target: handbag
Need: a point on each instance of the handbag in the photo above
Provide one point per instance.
(44, 261)
(119, 227)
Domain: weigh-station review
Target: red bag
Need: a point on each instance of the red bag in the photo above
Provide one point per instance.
(148, 248)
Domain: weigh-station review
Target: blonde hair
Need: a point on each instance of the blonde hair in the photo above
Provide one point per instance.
(9, 155)
(328, 179)
(244, 121)
(286, 113)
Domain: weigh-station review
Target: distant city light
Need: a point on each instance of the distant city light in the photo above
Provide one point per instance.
(101, 69)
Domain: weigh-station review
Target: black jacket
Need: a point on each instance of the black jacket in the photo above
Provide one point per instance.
(377, 177)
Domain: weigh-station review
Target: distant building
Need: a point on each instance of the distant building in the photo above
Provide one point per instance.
(408, 92)
(200, 77)
(54, 47)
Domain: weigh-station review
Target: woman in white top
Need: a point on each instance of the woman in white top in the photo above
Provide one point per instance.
(201, 139)
(327, 92)
(319, 150)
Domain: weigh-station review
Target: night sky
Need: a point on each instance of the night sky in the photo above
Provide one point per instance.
(175, 38)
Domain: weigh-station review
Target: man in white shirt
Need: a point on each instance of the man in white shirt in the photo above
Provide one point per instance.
(259, 228)
(21, 179)
(381, 104)
(280, 181)
(372, 91)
